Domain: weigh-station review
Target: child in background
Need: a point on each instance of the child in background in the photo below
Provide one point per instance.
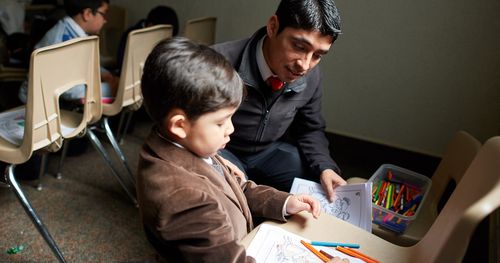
(194, 208)
(84, 17)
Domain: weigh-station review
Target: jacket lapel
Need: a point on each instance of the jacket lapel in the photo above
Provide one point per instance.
(238, 193)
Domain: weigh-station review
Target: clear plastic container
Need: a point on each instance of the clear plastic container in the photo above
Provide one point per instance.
(398, 217)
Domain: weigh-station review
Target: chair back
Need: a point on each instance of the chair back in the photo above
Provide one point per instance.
(140, 42)
(457, 157)
(201, 30)
(110, 34)
(475, 197)
(53, 70)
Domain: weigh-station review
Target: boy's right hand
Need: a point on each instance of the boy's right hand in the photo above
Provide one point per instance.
(299, 203)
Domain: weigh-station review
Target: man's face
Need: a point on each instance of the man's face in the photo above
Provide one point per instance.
(293, 52)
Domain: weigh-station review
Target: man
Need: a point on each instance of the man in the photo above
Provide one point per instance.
(279, 67)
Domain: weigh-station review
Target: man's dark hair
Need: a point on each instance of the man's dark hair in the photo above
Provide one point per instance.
(74, 7)
(164, 15)
(318, 15)
(181, 74)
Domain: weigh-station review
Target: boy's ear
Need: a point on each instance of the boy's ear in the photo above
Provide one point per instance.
(87, 14)
(178, 124)
(272, 26)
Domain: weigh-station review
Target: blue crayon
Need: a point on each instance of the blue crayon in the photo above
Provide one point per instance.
(333, 244)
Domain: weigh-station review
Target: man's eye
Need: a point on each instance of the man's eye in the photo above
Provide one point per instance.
(317, 56)
(299, 47)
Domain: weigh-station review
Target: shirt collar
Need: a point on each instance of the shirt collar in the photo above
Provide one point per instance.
(264, 69)
(75, 27)
(207, 159)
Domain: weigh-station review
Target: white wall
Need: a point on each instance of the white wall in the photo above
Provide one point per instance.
(404, 73)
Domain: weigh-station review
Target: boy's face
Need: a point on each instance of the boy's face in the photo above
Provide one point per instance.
(210, 132)
(291, 53)
(96, 21)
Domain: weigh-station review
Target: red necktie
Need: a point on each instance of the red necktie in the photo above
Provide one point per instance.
(275, 83)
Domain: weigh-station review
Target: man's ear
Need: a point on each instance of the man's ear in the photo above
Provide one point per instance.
(272, 26)
(177, 123)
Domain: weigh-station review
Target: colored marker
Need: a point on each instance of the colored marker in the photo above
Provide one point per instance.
(326, 254)
(334, 244)
(314, 251)
(356, 254)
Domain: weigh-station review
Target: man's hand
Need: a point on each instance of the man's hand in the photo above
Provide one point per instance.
(299, 203)
(329, 180)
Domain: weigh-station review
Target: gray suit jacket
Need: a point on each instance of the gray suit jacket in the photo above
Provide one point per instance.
(193, 214)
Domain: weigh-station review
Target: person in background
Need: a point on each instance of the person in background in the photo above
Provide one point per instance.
(279, 128)
(83, 18)
(193, 207)
(12, 15)
(160, 15)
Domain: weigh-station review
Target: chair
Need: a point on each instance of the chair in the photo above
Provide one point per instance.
(12, 74)
(476, 196)
(111, 33)
(128, 99)
(201, 30)
(45, 125)
(457, 157)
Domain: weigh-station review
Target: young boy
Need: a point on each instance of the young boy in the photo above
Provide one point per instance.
(193, 207)
(83, 18)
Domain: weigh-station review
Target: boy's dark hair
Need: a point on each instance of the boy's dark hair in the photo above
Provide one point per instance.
(74, 7)
(164, 15)
(318, 15)
(181, 74)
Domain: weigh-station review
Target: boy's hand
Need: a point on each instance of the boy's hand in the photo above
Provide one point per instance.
(299, 203)
(112, 81)
(329, 180)
(338, 260)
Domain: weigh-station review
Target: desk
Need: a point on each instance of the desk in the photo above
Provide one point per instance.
(329, 228)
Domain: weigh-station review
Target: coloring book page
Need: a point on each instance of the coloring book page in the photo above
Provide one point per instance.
(352, 203)
(272, 244)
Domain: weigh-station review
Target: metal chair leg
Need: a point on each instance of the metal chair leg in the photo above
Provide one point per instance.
(43, 167)
(117, 149)
(64, 152)
(100, 148)
(122, 131)
(11, 180)
(119, 131)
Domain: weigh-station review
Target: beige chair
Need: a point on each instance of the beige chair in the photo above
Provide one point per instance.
(12, 74)
(201, 30)
(111, 33)
(140, 42)
(476, 196)
(457, 157)
(45, 125)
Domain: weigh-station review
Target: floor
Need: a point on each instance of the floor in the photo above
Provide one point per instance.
(87, 213)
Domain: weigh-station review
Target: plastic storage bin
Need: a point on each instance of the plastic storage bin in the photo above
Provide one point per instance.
(396, 216)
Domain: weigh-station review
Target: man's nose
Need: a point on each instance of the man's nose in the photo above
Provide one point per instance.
(305, 62)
